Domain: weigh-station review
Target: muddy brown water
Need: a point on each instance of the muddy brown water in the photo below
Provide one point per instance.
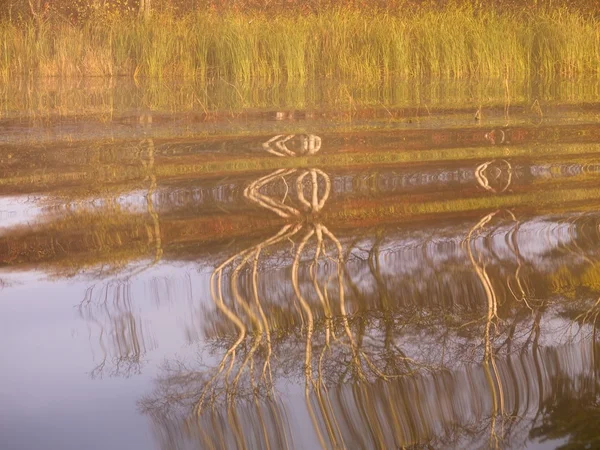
(301, 273)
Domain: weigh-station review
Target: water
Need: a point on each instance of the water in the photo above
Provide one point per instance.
(299, 268)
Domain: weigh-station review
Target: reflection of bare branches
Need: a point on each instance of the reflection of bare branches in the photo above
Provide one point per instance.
(352, 397)
(309, 144)
(121, 338)
(483, 177)
(489, 363)
(446, 409)
(244, 372)
(244, 308)
(252, 193)
(242, 259)
(592, 313)
(279, 207)
(316, 335)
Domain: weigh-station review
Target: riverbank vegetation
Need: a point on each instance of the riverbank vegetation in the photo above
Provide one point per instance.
(298, 41)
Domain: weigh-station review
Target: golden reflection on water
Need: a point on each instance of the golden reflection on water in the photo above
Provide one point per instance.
(398, 279)
(341, 299)
(478, 373)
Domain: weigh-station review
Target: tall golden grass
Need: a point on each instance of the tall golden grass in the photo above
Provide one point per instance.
(336, 43)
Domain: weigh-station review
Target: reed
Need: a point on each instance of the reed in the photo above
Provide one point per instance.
(338, 43)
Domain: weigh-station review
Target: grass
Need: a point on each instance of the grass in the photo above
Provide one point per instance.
(337, 43)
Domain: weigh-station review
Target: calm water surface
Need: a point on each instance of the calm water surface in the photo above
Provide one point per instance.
(230, 268)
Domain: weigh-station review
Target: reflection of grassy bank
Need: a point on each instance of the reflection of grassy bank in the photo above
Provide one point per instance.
(109, 239)
(120, 175)
(451, 43)
(106, 100)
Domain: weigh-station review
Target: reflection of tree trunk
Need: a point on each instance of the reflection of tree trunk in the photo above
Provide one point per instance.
(388, 320)
(374, 267)
(154, 234)
(306, 308)
(489, 363)
(150, 204)
(249, 256)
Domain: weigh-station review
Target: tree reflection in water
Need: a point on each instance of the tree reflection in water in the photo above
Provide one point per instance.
(121, 335)
(573, 413)
(385, 375)
(313, 246)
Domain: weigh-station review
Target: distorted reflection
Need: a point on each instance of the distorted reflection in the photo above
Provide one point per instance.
(122, 337)
(307, 144)
(306, 275)
(494, 176)
(147, 147)
(398, 338)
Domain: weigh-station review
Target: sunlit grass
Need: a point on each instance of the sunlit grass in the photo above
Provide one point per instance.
(337, 43)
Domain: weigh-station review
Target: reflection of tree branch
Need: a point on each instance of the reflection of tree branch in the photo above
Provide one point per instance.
(523, 288)
(315, 204)
(154, 234)
(127, 343)
(489, 362)
(483, 180)
(483, 276)
(310, 144)
(238, 309)
(217, 294)
(252, 193)
(592, 312)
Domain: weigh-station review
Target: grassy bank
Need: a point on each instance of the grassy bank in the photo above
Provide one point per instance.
(336, 43)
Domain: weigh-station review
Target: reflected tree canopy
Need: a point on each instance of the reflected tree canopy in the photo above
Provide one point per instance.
(395, 336)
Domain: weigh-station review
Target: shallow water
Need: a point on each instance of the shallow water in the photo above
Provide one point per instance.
(376, 269)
